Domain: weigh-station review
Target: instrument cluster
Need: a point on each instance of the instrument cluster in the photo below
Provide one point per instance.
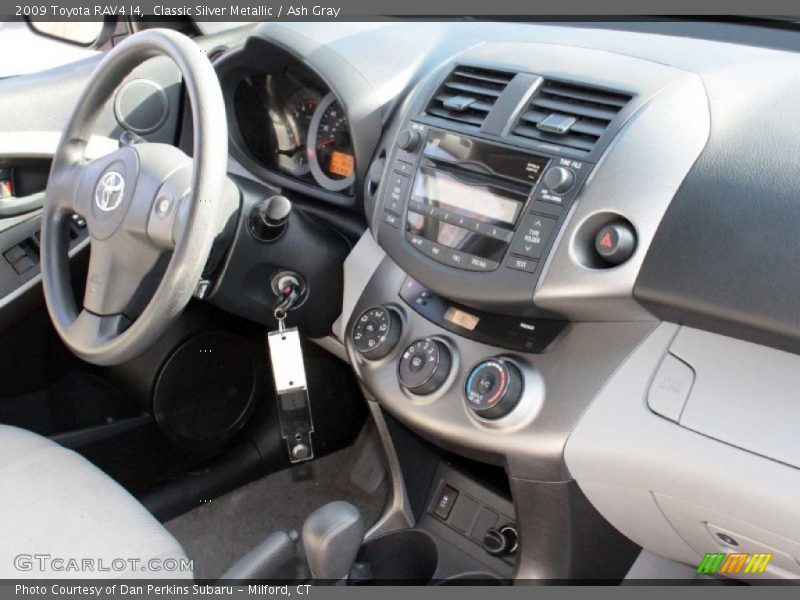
(291, 123)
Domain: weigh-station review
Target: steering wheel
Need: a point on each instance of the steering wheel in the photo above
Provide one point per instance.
(149, 208)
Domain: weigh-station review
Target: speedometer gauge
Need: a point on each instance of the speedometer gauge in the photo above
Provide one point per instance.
(330, 149)
(292, 131)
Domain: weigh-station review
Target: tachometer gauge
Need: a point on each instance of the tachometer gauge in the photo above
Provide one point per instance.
(330, 149)
(293, 132)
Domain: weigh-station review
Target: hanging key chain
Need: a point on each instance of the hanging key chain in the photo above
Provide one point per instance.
(288, 370)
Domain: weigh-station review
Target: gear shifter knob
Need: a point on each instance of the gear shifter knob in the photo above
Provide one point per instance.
(332, 536)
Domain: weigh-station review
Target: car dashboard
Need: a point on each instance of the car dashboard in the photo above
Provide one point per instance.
(554, 277)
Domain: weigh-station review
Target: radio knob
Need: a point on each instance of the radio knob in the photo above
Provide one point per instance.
(559, 180)
(376, 332)
(409, 140)
(494, 388)
(424, 366)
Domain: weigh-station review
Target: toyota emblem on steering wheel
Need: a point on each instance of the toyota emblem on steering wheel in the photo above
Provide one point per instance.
(108, 193)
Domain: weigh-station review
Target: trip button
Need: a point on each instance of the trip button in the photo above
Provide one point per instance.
(521, 264)
(532, 236)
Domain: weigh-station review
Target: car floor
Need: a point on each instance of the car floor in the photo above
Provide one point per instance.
(216, 534)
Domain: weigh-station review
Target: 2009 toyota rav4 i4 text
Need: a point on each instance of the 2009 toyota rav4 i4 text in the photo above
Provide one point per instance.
(399, 301)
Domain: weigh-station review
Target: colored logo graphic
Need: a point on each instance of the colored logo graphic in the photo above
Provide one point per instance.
(733, 563)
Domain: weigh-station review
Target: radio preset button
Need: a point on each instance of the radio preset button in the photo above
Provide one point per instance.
(417, 207)
(532, 236)
(499, 233)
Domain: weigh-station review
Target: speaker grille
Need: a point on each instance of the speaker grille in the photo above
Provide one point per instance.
(206, 389)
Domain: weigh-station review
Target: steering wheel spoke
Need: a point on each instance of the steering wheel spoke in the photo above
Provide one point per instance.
(119, 270)
(92, 330)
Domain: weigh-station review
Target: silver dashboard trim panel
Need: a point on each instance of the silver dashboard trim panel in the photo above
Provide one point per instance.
(636, 179)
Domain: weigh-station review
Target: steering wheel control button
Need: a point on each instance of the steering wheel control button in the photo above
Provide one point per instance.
(616, 242)
(163, 205)
(494, 388)
(424, 366)
(376, 332)
(559, 180)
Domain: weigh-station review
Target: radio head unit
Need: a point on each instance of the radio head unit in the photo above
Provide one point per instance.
(468, 196)
(457, 205)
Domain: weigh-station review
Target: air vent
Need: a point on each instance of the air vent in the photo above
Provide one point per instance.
(570, 115)
(468, 94)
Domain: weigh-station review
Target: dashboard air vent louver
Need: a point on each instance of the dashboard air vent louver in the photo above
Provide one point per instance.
(468, 94)
(570, 115)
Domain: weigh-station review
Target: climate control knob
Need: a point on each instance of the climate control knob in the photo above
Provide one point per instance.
(376, 332)
(494, 388)
(424, 366)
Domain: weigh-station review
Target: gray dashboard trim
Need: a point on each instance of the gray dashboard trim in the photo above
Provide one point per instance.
(359, 266)
(623, 456)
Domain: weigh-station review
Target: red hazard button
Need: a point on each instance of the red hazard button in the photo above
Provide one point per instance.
(615, 242)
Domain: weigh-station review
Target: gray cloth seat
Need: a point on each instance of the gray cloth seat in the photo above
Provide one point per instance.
(60, 516)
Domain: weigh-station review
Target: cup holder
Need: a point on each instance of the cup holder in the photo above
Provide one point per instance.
(400, 556)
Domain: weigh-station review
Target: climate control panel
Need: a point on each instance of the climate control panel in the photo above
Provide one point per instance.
(491, 389)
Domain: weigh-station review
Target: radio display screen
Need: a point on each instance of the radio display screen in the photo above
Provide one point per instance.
(441, 189)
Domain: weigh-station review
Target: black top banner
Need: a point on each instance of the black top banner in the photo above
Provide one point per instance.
(358, 10)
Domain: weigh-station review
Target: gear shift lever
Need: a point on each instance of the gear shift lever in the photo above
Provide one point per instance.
(332, 536)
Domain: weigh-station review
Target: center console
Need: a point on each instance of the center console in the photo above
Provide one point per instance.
(511, 219)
